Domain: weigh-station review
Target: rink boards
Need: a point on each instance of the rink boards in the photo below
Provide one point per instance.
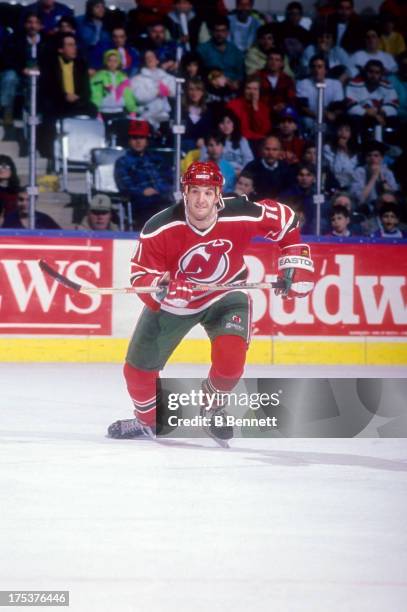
(357, 313)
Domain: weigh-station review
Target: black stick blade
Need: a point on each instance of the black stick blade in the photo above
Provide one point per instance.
(63, 280)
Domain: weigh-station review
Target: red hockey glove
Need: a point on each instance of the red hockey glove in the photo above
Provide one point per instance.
(177, 293)
(297, 269)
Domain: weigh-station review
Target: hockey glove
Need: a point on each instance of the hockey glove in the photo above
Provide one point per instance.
(296, 269)
(177, 293)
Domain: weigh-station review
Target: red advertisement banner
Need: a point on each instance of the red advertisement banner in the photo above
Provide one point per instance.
(360, 290)
(33, 303)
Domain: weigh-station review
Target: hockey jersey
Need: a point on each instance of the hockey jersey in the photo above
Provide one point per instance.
(169, 243)
(359, 98)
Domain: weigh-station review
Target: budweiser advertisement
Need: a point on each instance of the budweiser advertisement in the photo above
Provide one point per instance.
(33, 303)
(360, 289)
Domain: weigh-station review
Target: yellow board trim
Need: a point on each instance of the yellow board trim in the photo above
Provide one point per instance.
(262, 351)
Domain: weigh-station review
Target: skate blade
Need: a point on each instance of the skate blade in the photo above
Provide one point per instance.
(219, 441)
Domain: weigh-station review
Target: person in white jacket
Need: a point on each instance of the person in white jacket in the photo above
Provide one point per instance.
(152, 87)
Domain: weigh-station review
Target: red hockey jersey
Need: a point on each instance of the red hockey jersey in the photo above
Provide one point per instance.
(169, 243)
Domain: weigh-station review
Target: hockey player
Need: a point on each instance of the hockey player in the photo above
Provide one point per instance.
(203, 240)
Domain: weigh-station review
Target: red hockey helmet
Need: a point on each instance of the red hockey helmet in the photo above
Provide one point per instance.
(203, 174)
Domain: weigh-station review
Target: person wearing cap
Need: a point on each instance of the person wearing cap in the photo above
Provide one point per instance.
(373, 178)
(143, 176)
(99, 215)
(202, 240)
(292, 145)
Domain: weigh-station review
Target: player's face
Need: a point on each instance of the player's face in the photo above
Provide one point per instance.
(201, 204)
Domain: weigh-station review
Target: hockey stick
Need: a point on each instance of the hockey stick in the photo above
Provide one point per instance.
(63, 280)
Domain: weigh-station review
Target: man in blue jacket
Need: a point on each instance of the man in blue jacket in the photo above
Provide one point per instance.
(143, 176)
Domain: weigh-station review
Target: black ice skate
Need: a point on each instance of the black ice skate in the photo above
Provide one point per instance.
(127, 429)
(218, 429)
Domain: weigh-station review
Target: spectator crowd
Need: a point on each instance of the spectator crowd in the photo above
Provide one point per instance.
(250, 102)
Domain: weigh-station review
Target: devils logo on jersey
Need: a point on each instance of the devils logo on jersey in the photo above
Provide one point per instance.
(206, 262)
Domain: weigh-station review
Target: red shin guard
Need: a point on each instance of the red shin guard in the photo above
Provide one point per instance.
(228, 359)
(141, 385)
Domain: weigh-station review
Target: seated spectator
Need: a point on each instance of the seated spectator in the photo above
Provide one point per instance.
(287, 130)
(391, 41)
(9, 185)
(291, 36)
(399, 83)
(307, 92)
(341, 155)
(277, 89)
(271, 175)
(371, 99)
(303, 191)
(69, 94)
(218, 53)
(374, 178)
(111, 92)
(22, 51)
(218, 89)
(91, 30)
(198, 118)
(152, 87)
(183, 24)
(389, 223)
(191, 66)
(99, 215)
(309, 157)
(244, 23)
(345, 24)
(359, 59)
(358, 220)
(66, 25)
(166, 50)
(245, 185)
(252, 112)
(372, 223)
(256, 56)
(49, 13)
(214, 145)
(236, 149)
(147, 13)
(337, 58)
(398, 9)
(129, 56)
(20, 218)
(142, 176)
(340, 221)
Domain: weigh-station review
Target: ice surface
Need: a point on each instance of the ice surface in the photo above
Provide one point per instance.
(281, 525)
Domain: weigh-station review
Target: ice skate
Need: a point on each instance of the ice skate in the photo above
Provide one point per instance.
(127, 429)
(218, 431)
